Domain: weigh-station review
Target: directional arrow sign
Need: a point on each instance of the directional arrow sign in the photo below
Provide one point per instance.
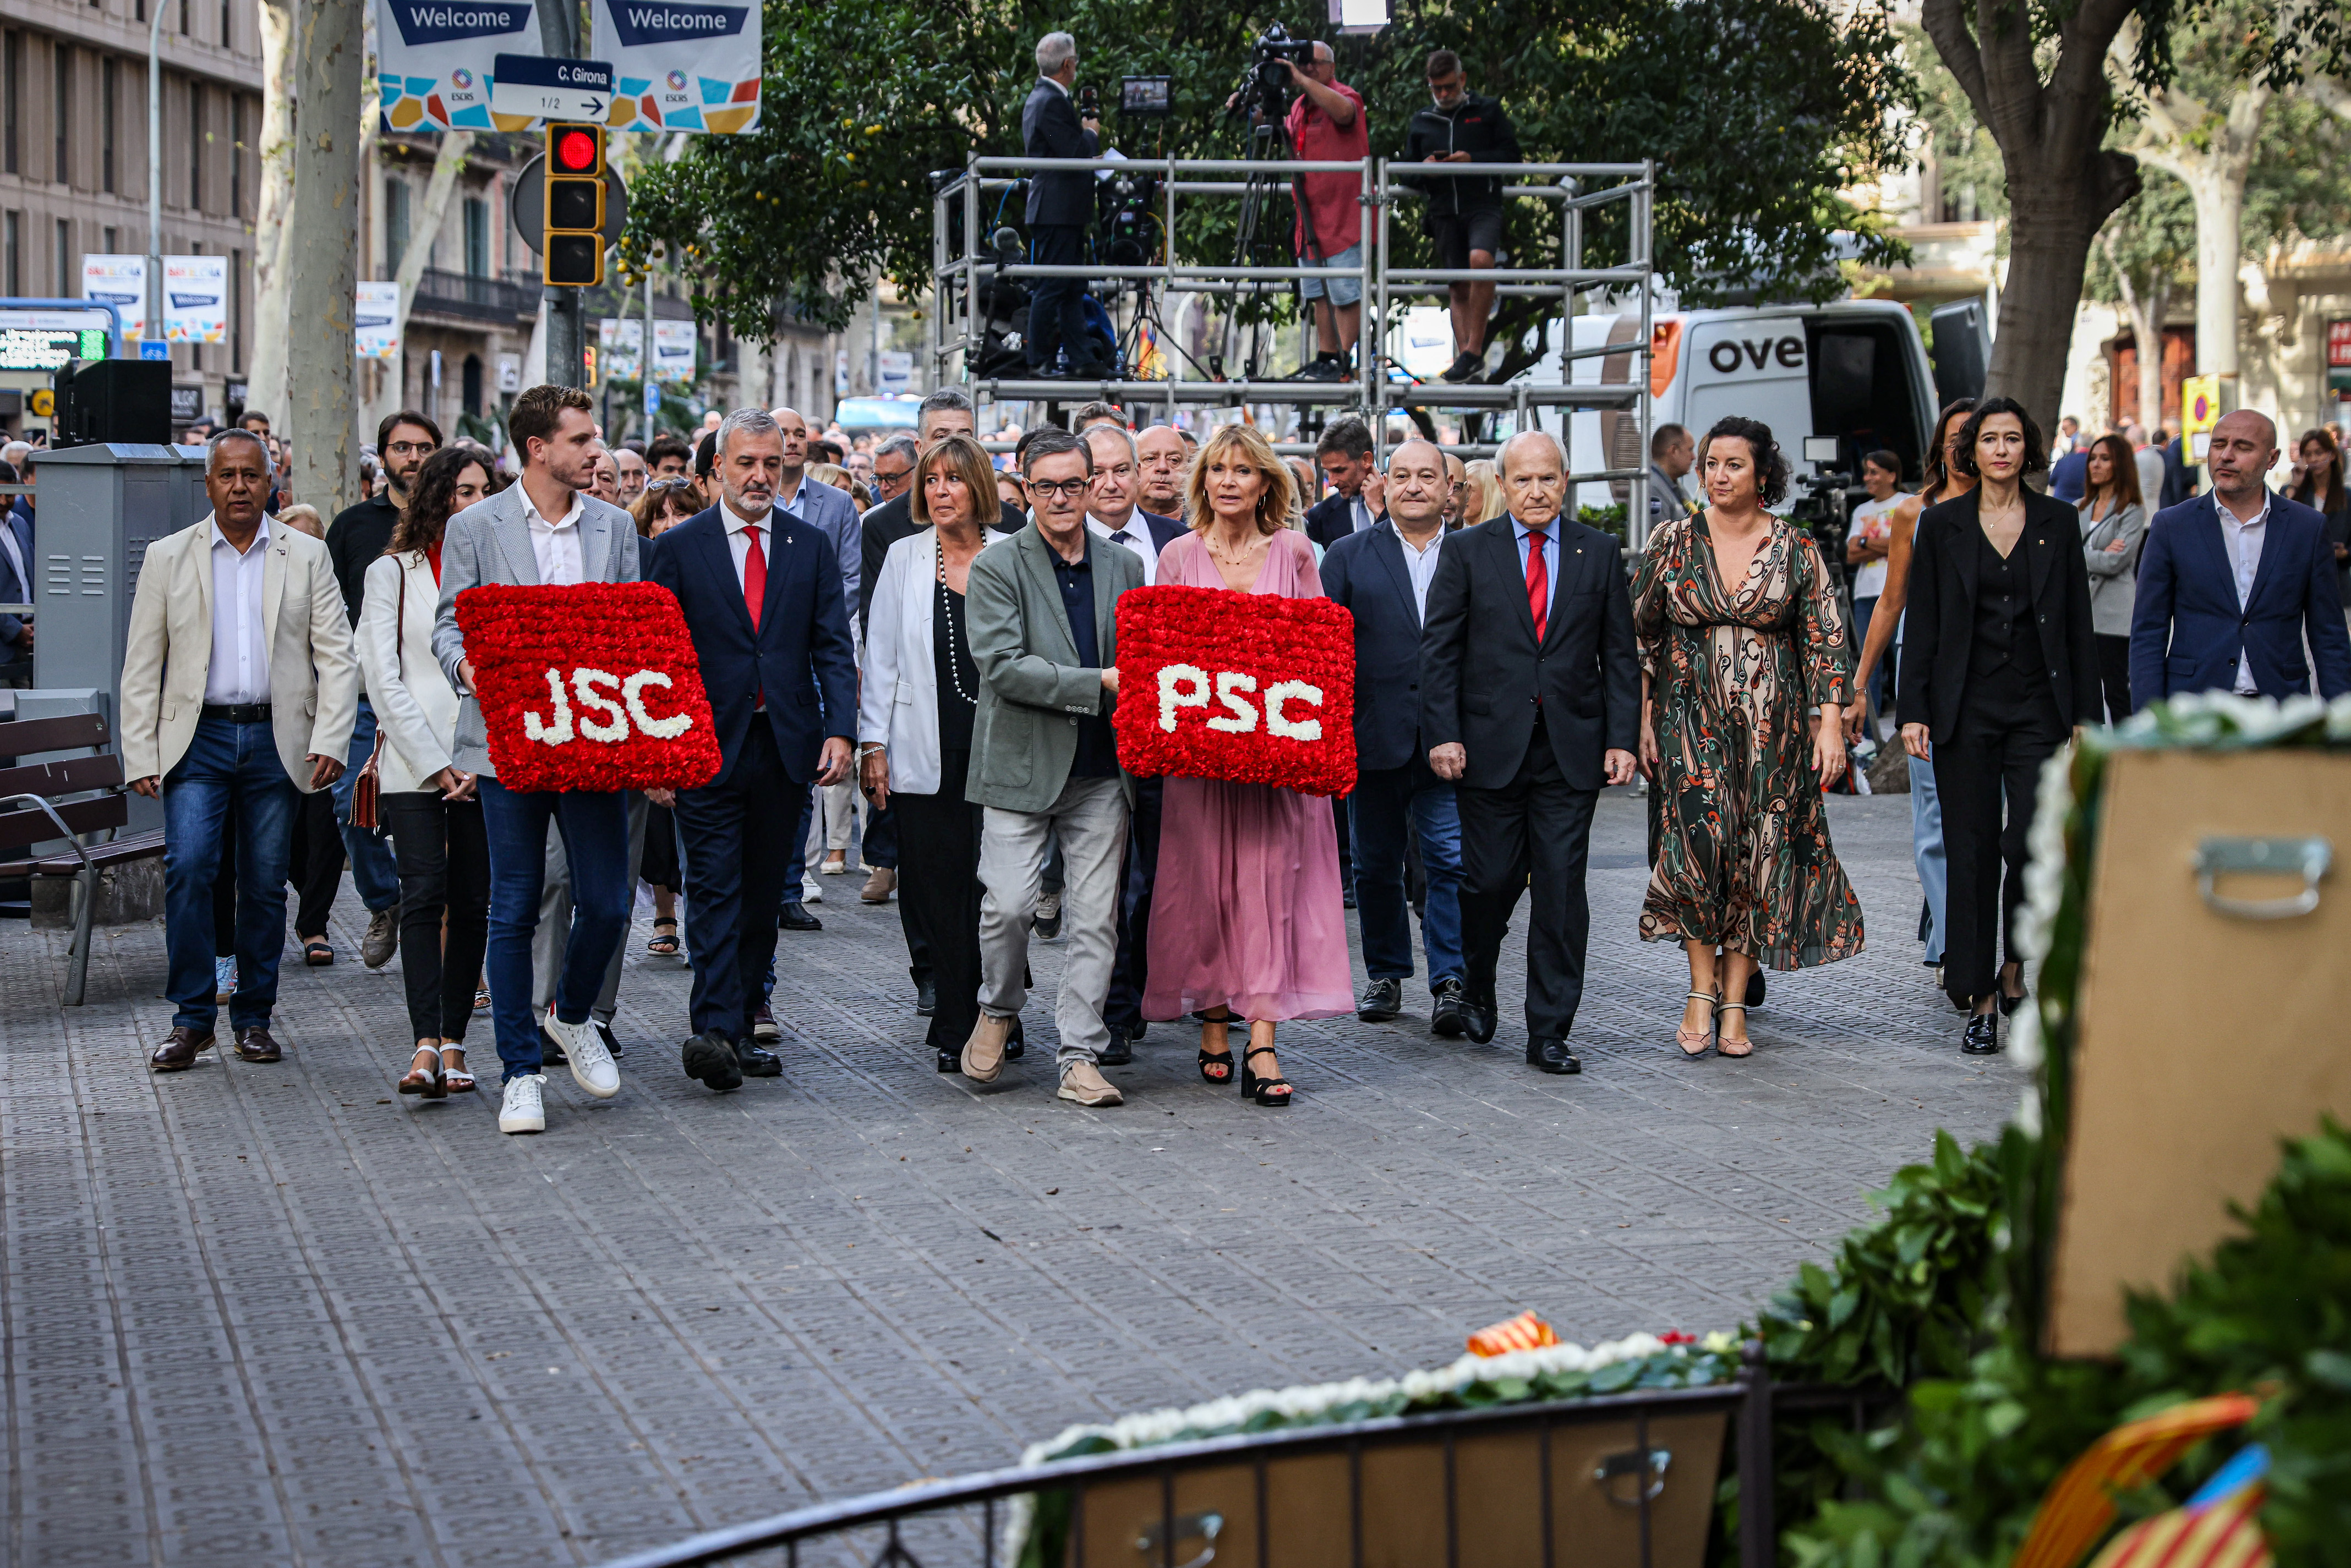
(535, 87)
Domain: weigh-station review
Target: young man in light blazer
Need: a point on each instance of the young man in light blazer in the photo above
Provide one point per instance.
(238, 692)
(545, 530)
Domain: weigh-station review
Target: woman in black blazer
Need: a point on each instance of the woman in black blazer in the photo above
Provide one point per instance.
(2003, 663)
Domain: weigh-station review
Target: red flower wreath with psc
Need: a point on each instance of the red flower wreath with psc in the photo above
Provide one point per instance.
(589, 687)
(1249, 687)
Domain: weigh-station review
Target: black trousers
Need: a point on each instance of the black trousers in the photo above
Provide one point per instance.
(1056, 311)
(1994, 756)
(939, 892)
(739, 838)
(443, 850)
(316, 869)
(2114, 675)
(1130, 967)
(1533, 835)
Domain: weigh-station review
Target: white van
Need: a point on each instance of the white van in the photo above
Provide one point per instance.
(1855, 369)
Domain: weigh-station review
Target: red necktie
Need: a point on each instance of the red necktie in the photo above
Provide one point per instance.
(1538, 582)
(755, 592)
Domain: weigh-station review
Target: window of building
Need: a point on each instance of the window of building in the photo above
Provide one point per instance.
(12, 82)
(471, 382)
(62, 111)
(64, 261)
(236, 313)
(227, 37)
(185, 14)
(109, 89)
(235, 156)
(111, 235)
(395, 223)
(478, 237)
(195, 148)
(12, 252)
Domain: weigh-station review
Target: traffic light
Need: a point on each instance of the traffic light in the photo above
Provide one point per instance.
(575, 205)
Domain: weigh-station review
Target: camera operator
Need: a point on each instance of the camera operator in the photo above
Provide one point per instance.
(1060, 203)
(1326, 124)
(1465, 214)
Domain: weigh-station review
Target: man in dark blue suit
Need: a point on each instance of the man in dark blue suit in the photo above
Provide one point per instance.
(1353, 506)
(2231, 583)
(1113, 515)
(1383, 576)
(761, 592)
(1060, 204)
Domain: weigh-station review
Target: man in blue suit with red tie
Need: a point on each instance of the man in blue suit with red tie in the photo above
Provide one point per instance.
(761, 592)
(2230, 584)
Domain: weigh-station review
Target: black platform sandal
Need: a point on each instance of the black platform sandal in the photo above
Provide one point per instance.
(665, 943)
(1216, 1066)
(1260, 1089)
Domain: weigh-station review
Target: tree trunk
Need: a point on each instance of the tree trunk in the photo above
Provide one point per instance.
(322, 252)
(2053, 213)
(272, 318)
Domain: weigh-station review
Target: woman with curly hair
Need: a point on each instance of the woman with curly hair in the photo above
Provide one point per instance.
(1246, 919)
(1741, 637)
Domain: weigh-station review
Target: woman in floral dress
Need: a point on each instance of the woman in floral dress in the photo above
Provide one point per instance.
(1734, 750)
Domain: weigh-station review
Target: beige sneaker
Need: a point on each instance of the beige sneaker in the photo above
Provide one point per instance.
(880, 886)
(835, 862)
(1084, 1083)
(983, 1054)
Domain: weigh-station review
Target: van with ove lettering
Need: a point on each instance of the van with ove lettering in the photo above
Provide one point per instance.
(1854, 369)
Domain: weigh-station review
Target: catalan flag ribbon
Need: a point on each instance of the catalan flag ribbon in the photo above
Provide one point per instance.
(2080, 1506)
(2217, 1528)
(1150, 359)
(1524, 1332)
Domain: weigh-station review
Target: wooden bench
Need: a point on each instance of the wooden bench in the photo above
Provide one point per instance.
(35, 811)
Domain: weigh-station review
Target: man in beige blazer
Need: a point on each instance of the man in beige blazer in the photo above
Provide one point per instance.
(238, 692)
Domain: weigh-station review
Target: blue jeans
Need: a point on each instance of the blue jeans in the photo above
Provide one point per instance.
(595, 829)
(1387, 804)
(228, 769)
(1927, 851)
(375, 875)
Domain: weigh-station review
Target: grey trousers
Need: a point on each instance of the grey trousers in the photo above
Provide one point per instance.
(555, 920)
(1090, 818)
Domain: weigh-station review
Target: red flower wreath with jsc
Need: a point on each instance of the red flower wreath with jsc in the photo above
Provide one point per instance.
(589, 687)
(1249, 688)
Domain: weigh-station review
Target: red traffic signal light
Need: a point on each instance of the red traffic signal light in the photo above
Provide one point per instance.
(575, 150)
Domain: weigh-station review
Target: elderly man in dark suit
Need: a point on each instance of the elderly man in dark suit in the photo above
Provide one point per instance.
(1530, 698)
(1113, 515)
(2231, 583)
(1383, 578)
(1060, 204)
(760, 589)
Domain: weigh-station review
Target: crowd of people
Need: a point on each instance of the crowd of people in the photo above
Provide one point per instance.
(939, 645)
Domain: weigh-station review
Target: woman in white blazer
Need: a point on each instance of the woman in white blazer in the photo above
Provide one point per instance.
(921, 690)
(427, 802)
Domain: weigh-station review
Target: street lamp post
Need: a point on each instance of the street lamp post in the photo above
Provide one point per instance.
(154, 326)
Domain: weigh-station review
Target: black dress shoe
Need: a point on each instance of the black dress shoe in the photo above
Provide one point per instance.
(1478, 1015)
(1118, 1050)
(951, 1060)
(253, 1045)
(1982, 1036)
(1755, 990)
(1016, 1045)
(927, 999)
(796, 917)
(180, 1048)
(757, 1061)
(1382, 999)
(1551, 1057)
(709, 1060)
(1346, 898)
(2009, 1004)
(1452, 1018)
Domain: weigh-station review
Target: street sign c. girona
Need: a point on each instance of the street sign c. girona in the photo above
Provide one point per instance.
(541, 89)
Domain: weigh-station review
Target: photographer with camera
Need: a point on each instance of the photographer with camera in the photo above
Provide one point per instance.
(1326, 124)
(1465, 214)
(1060, 203)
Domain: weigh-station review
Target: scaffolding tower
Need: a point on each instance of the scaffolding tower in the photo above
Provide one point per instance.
(959, 324)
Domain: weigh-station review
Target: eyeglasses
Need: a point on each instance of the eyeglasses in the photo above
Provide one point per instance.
(897, 478)
(1072, 488)
(421, 448)
(672, 482)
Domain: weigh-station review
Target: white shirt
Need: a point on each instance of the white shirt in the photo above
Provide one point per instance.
(2244, 541)
(1135, 536)
(16, 558)
(556, 544)
(1869, 581)
(239, 671)
(1420, 566)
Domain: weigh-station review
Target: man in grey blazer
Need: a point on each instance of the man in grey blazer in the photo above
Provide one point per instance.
(544, 530)
(1041, 615)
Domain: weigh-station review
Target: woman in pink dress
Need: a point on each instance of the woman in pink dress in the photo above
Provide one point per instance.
(1246, 919)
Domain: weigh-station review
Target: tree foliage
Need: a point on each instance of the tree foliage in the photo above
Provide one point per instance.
(1757, 111)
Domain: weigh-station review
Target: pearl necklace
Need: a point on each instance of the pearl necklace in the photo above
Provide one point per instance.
(947, 609)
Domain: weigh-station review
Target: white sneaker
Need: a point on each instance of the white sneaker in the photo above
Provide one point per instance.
(810, 892)
(521, 1112)
(591, 1064)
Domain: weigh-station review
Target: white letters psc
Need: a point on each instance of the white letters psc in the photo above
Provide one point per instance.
(1187, 685)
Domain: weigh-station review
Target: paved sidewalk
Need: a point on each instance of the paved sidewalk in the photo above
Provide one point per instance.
(261, 1315)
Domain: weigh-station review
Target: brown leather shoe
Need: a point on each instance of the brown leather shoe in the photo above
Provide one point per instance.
(178, 1051)
(253, 1045)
